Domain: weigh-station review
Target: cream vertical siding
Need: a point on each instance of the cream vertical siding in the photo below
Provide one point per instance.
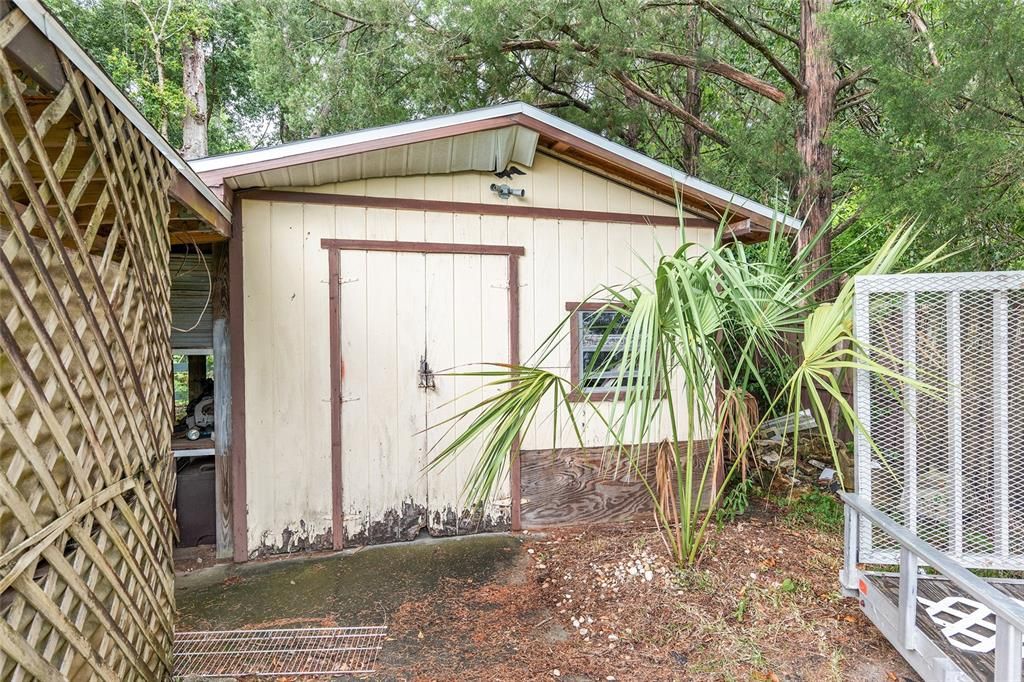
(288, 420)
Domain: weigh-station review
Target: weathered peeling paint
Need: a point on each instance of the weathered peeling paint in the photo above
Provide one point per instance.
(402, 525)
(452, 521)
(299, 537)
(394, 526)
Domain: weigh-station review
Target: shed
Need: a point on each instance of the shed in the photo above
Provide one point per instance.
(366, 263)
(91, 200)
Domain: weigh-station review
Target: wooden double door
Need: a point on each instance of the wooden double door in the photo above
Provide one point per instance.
(408, 320)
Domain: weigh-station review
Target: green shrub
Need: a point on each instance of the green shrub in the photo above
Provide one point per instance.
(736, 502)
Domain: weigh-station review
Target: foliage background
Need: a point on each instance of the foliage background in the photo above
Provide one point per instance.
(930, 126)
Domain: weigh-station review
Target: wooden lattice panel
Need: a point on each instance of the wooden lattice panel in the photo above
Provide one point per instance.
(86, 480)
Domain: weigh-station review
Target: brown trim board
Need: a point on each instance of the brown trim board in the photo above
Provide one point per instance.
(421, 247)
(515, 464)
(185, 193)
(334, 247)
(630, 169)
(236, 328)
(509, 210)
(337, 491)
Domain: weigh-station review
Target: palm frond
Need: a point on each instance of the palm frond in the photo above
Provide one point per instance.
(714, 321)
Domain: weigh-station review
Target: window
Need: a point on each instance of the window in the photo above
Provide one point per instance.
(596, 337)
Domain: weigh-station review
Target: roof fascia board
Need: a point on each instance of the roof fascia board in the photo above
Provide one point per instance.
(692, 198)
(686, 181)
(185, 193)
(55, 32)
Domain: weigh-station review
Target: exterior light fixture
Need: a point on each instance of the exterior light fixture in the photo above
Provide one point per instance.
(504, 191)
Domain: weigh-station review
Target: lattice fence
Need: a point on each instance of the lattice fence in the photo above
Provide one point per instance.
(948, 461)
(86, 582)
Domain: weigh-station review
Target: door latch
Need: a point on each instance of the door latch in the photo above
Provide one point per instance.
(426, 375)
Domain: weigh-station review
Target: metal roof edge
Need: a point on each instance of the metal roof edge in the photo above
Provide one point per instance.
(55, 32)
(288, 149)
(212, 164)
(729, 198)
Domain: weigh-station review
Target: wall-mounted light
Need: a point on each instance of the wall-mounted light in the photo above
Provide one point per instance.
(504, 191)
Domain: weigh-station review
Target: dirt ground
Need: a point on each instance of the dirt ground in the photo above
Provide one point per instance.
(596, 603)
(604, 603)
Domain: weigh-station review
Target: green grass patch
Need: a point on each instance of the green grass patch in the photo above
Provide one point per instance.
(815, 509)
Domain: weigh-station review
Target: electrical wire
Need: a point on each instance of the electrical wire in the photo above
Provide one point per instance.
(209, 290)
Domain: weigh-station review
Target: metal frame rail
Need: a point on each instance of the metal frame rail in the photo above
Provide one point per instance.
(904, 634)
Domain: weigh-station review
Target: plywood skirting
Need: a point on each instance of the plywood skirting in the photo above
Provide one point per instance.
(579, 486)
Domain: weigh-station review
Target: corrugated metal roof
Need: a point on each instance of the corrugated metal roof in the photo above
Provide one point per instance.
(191, 314)
(485, 150)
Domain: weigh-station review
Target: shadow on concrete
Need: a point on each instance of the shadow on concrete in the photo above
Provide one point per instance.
(358, 587)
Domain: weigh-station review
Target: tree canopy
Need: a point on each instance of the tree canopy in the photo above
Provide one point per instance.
(885, 110)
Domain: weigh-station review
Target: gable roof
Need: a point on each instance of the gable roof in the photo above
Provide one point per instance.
(557, 136)
(32, 50)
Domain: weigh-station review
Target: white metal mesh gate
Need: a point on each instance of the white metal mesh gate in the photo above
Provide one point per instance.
(948, 456)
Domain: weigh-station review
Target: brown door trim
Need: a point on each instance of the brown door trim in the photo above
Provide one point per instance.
(515, 470)
(334, 248)
(337, 479)
(504, 209)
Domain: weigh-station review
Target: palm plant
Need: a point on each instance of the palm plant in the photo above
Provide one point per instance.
(693, 343)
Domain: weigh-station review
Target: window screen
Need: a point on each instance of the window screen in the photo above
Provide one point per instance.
(599, 351)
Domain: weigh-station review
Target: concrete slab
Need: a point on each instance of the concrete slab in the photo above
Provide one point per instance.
(359, 587)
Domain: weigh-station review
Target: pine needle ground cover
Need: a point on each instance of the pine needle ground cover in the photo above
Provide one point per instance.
(607, 602)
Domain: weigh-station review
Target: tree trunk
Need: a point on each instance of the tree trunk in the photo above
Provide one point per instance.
(814, 185)
(196, 375)
(161, 84)
(693, 99)
(194, 130)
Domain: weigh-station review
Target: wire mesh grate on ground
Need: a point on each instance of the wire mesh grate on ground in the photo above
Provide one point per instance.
(297, 651)
(945, 452)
